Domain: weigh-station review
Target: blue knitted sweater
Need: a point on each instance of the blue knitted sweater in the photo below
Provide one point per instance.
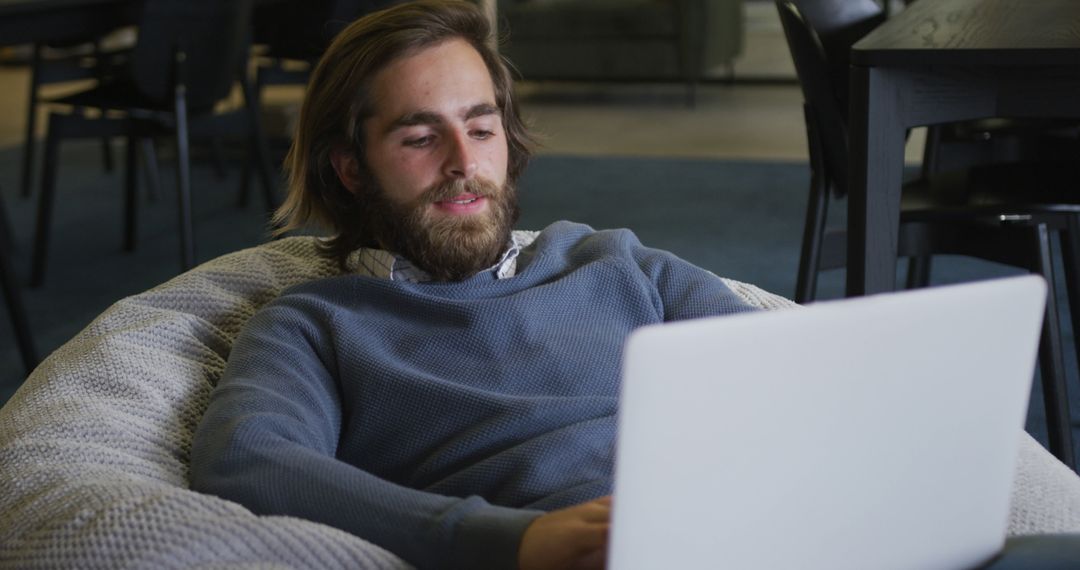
(439, 419)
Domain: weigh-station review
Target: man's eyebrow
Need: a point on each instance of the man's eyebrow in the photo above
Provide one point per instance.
(431, 118)
(416, 118)
(481, 110)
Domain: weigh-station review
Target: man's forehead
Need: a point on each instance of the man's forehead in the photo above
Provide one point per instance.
(445, 80)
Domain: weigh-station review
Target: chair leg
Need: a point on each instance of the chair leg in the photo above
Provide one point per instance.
(932, 150)
(106, 154)
(29, 144)
(813, 233)
(183, 175)
(131, 192)
(13, 297)
(1051, 364)
(257, 142)
(7, 236)
(1070, 256)
(45, 201)
(150, 166)
(106, 142)
(267, 174)
(252, 100)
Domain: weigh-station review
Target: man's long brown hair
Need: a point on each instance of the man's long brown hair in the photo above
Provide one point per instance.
(338, 101)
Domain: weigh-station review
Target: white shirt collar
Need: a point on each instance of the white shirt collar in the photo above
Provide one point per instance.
(382, 264)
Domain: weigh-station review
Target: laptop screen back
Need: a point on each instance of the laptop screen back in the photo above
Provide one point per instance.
(878, 432)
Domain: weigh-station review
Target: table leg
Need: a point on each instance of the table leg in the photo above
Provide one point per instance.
(876, 140)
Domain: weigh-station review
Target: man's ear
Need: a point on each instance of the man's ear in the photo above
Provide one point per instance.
(347, 169)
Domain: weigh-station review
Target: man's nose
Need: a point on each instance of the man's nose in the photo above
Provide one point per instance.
(460, 159)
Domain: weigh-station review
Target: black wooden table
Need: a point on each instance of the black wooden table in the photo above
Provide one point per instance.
(939, 61)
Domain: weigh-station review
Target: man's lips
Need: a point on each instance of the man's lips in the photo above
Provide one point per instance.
(462, 203)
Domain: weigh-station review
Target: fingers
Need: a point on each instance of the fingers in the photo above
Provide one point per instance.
(592, 545)
(574, 537)
(595, 513)
(592, 537)
(589, 523)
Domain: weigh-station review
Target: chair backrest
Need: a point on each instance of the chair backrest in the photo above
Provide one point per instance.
(302, 29)
(838, 25)
(820, 34)
(213, 35)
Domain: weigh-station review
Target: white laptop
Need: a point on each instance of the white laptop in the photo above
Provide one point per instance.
(872, 433)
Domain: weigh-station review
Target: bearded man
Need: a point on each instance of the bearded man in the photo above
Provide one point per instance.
(452, 395)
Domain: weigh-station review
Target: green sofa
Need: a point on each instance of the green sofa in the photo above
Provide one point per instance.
(646, 40)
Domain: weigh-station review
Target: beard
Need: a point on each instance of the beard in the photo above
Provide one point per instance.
(447, 247)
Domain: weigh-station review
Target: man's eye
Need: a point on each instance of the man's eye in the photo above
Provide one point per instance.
(420, 142)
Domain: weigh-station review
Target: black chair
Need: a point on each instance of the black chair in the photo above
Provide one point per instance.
(75, 62)
(13, 296)
(299, 31)
(188, 56)
(1001, 212)
(290, 36)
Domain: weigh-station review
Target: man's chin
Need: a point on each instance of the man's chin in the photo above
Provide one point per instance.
(463, 232)
(455, 247)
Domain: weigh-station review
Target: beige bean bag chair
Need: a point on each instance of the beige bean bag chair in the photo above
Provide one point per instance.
(94, 447)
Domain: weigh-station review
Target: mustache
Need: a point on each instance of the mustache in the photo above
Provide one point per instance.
(449, 189)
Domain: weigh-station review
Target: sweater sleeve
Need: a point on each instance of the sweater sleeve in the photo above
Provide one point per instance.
(684, 290)
(268, 441)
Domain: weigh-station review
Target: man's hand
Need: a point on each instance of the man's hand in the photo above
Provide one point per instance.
(571, 538)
